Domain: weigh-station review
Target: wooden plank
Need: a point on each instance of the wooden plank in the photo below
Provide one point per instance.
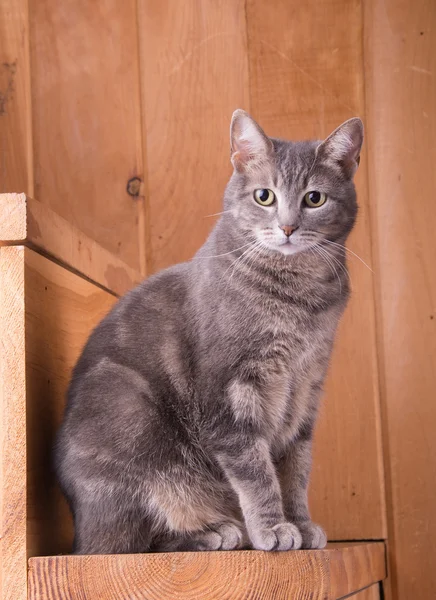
(371, 593)
(356, 566)
(26, 221)
(208, 575)
(86, 117)
(400, 51)
(16, 171)
(13, 575)
(303, 85)
(46, 315)
(13, 218)
(194, 65)
(61, 310)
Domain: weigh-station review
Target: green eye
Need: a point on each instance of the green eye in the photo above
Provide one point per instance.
(315, 199)
(264, 197)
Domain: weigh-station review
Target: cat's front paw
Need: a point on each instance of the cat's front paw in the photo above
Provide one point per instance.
(313, 535)
(221, 536)
(284, 536)
(231, 536)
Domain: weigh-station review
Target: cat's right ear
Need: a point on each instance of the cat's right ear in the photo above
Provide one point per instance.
(250, 146)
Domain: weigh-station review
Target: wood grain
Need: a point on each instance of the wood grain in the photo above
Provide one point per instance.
(86, 118)
(400, 67)
(208, 575)
(194, 74)
(303, 85)
(61, 310)
(16, 170)
(26, 221)
(13, 576)
(354, 562)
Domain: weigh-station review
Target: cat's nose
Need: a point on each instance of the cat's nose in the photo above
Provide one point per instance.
(288, 229)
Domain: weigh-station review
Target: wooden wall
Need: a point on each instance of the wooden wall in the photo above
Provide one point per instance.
(194, 73)
(70, 109)
(400, 70)
(93, 94)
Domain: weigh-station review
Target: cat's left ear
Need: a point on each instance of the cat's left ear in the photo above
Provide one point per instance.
(343, 146)
(250, 146)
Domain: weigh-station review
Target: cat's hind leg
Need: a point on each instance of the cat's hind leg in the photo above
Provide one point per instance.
(101, 529)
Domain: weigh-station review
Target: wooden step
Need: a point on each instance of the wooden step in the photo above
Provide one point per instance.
(24, 221)
(338, 571)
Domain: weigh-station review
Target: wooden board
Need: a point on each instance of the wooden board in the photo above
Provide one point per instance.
(61, 310)
(26, 221)
(350, 565)
(320, 575)
(400, 67)
(13, 576)
(16, 171)
(303, 85)
(371, 593)
(194, 74)
(86, 118)
(46, 314)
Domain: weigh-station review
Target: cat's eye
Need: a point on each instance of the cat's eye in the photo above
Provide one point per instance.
(315, 199)
(264, 197)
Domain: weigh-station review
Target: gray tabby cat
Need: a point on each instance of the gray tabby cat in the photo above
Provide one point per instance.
(191, 410)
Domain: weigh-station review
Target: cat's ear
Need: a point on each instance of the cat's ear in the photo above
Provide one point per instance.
(343, 146)
(250, 146)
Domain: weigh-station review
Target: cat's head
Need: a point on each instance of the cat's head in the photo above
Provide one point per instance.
(291, 196)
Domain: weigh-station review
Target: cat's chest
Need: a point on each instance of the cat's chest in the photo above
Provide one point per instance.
(287, 396)
(293, 368)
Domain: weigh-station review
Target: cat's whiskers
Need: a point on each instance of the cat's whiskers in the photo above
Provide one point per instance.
(225, 253)
(217, 214)
(244, 256)
(351, 252)
(335, 260)
(253, 255)
(248, 256)
(326, 257)
(347, 250)
(251, 244)
(317, 252)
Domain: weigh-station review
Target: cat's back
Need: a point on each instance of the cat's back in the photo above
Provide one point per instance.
(144, 324)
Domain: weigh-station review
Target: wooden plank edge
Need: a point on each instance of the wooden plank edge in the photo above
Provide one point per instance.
(355, 567)
(24, 220)
(13, 459)
(301, 574)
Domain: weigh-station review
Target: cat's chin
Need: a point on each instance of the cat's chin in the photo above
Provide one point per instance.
(288, 249)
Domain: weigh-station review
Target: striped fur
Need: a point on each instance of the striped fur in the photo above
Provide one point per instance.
(191, 410)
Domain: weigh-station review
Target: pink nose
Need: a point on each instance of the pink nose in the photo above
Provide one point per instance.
(287, 229)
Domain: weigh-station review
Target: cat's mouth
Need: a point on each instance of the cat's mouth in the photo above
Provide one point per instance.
(286, 247)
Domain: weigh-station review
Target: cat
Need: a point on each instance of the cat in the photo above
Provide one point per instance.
(191, 410)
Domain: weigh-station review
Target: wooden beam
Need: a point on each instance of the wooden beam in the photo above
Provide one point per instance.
(318, 574)
(13, 513)
(26, 221)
